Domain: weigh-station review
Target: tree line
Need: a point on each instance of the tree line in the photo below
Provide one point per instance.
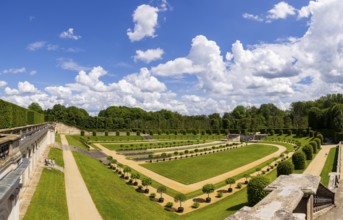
(323, 113)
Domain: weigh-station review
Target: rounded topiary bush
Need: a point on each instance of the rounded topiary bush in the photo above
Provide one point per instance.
(320, 137)
(318, 141)
(314, 146)
(255, 189)
(298, 160)
(285, 168)
(308, 152)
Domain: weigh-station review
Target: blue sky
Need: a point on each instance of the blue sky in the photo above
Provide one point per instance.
(194, 57)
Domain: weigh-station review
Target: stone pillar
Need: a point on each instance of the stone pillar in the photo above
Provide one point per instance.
(14, 201)
(309, 208)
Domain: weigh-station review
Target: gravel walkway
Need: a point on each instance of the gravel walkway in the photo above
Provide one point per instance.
(317, 164)
(80, 203)
(188, 188)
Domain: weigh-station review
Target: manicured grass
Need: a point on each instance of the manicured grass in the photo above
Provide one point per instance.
(223, 183)
(58, 138)
(195, 169)
(111, 138)
(225, 207)
(285, 137)
(188, 137)
(288, 146)
(146, 145)
(330, 166)
(57, 155)
(113, 198)
(49, 200)
(74, 140)
(156, 184)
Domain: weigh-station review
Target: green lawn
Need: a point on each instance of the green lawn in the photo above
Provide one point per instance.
(226, 206)
(58, 138)
(74, 140)
(111, 138)
(285, 137)
(146, 145)
(196, 169)
(330, 166)
(57, 155)
(188, 137)
(112, 197)
(288, 146)
(49, 200)
(116, 200)
(223, 183)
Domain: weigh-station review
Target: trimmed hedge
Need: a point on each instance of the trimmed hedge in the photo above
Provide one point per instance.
(308, 152)
(255, 189)
(285, 168)
(314, 146)
(12, 115)
(299, 160)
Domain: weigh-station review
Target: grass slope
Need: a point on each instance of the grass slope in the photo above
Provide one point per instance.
(49, 200)
(58, 138)
(330, 166)
(57, 155)
(74, 141)
(112, 197)
(196, 169)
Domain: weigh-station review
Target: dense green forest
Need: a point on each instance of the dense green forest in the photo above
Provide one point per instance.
(326, 113)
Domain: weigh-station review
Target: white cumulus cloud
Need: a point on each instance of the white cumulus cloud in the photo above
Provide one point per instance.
(2, 83)
(69, 34)
(145, 20)
(281, 11)
(149, 55)
(26, 87)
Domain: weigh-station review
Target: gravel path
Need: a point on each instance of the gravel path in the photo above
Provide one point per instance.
(80, 203)
(188, 203)
(317, 164)
(189, 188)
(337, 212)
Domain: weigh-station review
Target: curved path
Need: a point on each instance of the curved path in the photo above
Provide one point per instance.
(192, 187)
(79, 201)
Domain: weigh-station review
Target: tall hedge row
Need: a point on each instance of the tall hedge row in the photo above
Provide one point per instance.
(12, 115)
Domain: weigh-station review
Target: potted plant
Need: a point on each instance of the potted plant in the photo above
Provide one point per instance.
(161, 189)
(146, 182)
(180, 198)
(208, 188)
(230, 181)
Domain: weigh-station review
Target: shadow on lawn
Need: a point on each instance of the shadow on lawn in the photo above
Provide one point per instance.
(236, 207)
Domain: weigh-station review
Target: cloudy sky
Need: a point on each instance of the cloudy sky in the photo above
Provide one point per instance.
(194, 57)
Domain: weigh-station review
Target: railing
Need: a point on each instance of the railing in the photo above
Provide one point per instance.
(321, 203)
(338, 169)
